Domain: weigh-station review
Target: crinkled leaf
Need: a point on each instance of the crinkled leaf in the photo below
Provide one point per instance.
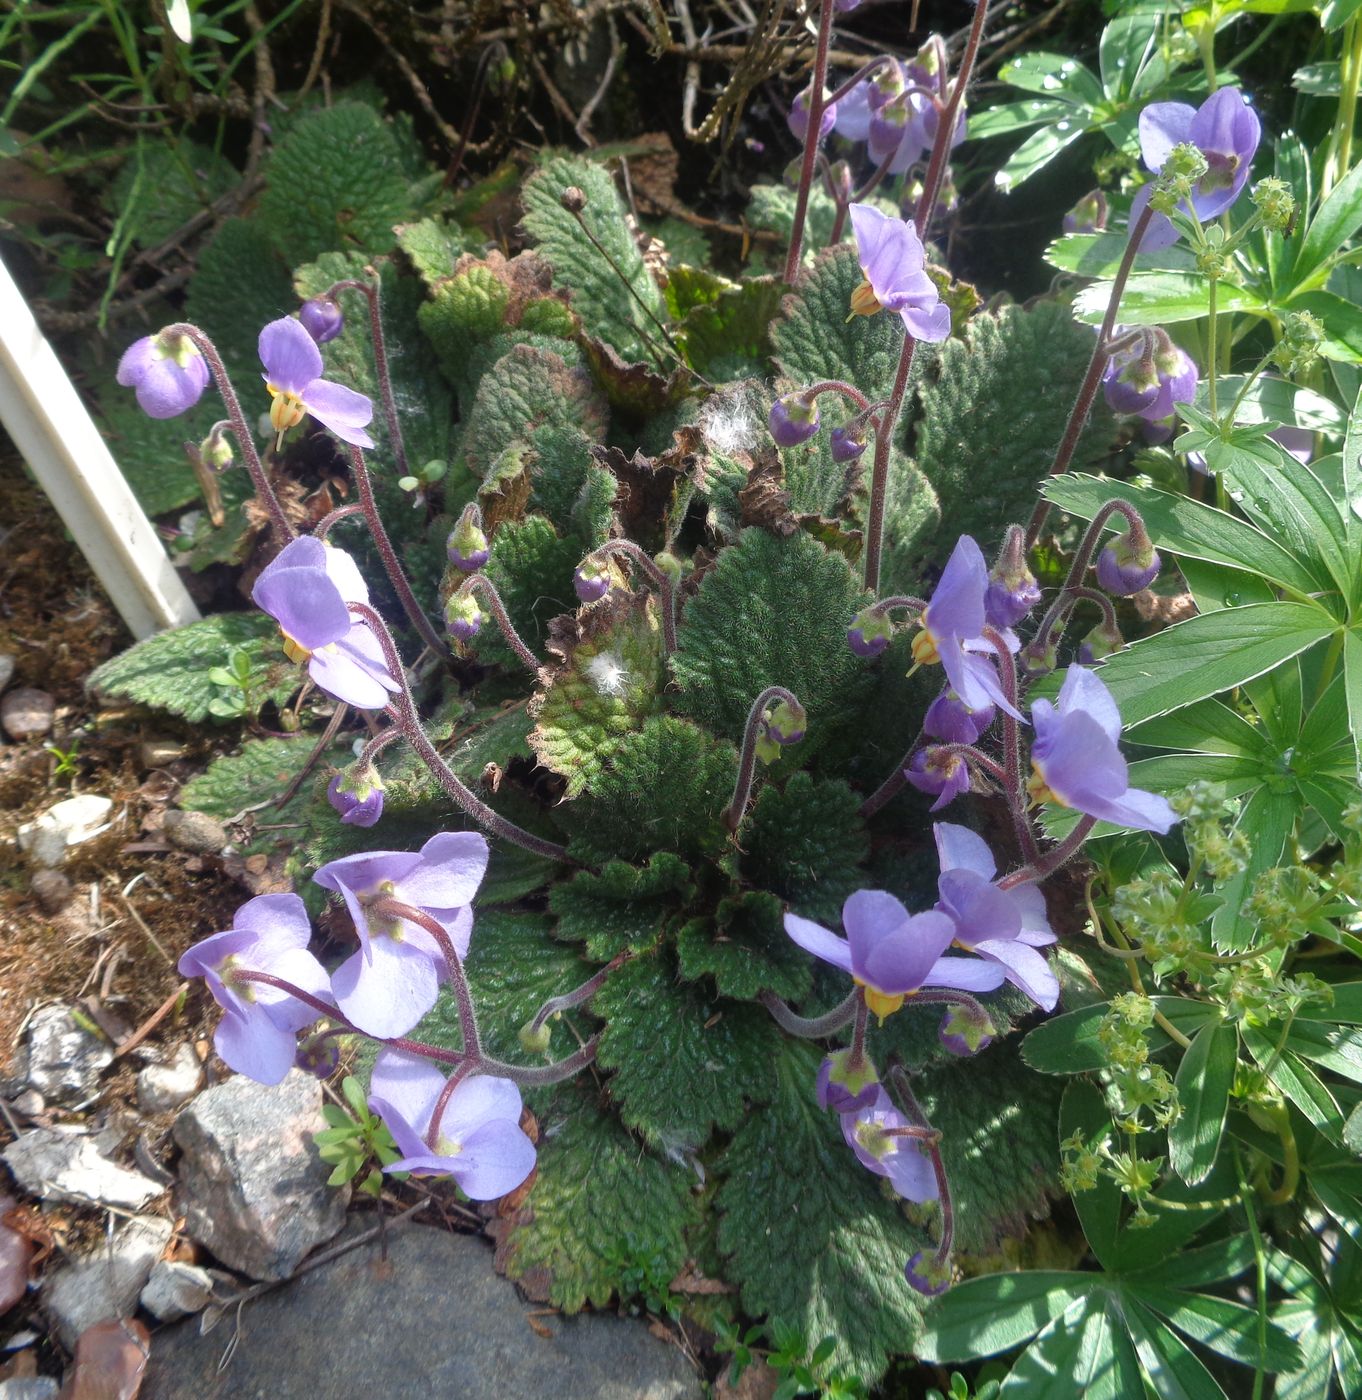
(173, 181)
(532, 570)
(433, 245)
(729, 338)
(745, 949)
(621, 906)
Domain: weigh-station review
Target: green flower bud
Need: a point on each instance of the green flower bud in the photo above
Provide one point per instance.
(1298, 349)
(1276, 204)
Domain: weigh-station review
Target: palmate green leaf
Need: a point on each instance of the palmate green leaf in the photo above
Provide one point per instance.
(1336, 220)
(1038, 150)
(1100, 254)
(1053, 75)
(771, 612)
(621, 907)
(1352, 681)
(1085, 1351)
(1323, 1318)
(1266, 821)
(985, 1316)
(610, 309)
(1209, 726)
(169, 671)
(1296, 1081)
(336, 181)
(1204, 1080)
(1173, 1369)
(1341, 322)
(1068, 1043)
(600, 1195)
(1016, 116)
(1229, 1329)
(812, 1241)
(745, 949)
(1163, 298)
(684, 1062)
(983, 446)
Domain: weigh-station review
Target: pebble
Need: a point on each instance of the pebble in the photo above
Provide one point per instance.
(251, 1187)
(78, 819)
(50, 888)
(156, 753)
(28, 1388)
(195, 831)
(110, 1361)
(63, 1165)
(64, 1057)
(105, 1285)
(165, 1086)
(433, 1319)
(26, 713)
(15, 1252)
(176, 1290)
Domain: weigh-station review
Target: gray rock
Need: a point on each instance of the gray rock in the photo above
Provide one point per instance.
(176, 1290)
(65, 1058)
(6, 669)
(28, 1388)
(194, 831)
(434, 1320)
(106, 1284)
(163, 1087)
(51, 888)
(252, 1187)
(26, 713)
(156, 753)
(77, 819)
(57, 1165)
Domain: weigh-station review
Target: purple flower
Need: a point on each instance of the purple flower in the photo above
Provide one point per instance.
(591, 580)
(1012, 588)
(798, 118)
(258, 1034)
(1149, 380)
(305, 589)
(467, 547)
(938, 772)
(952, 624)
(890, 953)
(908, 1168)
(1225, 129)
(167, 371)
(1076, 761)
(847, 444)
(893, 262)
(463, 617)
(952, 721)
(478, 1140)
(322, 318)
(293, 370)
(356, 795)
(844, 1089)
(1002, 926)
(926, 1275)
(793, 420)
(870, 632)
(1127, 565)
(392, 981)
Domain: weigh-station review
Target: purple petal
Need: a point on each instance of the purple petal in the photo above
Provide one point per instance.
(342, 570)
(346, 677)
(1225, 124)
(449, 872)
(495, 1159)
(957, 606)
(295, 590)
(901, 961)
(477, 1101)
(253, 1046)
(1082, 690)
(166, 389)
(208, 954)
(853, 114)
(821, 942)
(959, 848)
(344, 411)
(407, 1138)
(290, 356)
(365, 872)
(135, 362)
(298, 966)
(1030, 901)
(929, 323)
(1135, 808)
(386, 994)
(278, 921)
(1163, 125)
(911, 1173)
(965, 975)
(980, 909)
(1080, 762)
(1025, 968)
(409, 1084)
(1161, 232)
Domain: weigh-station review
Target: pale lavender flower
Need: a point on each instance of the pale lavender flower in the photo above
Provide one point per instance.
(798, 118)
(258, 1033)
(305, 589)
(890, 953)
(1225, 129)
(167, 371)
(952, 721)
(478, 1140)
(392, 981)
(939, 773)
(1077, 763)
(356, 795)
(1127, 564)
(901, 1159)
(793, 420)
(322, 318)
(293, 375)
(844, 1089)
(1149, 381)
(893, 262)
(1002, 926)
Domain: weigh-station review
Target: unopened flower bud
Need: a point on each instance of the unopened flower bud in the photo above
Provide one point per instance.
(1104, 639)
(887, 126)
(215, 451)
(1089, 215)
(535, 1040)
(793, 420)
(870, 633)
(1012, 588)
(463, 617)
(1036, 660)
(847, 443)
(1127, 565)
(786, 723)
(886, 84)
(467, 546)
(322, 318)
(965, 1030)
(356, 794)
(949, 719)
(1275, 203)
(798, 118)
(591, 579)
(844, 1089)
(572, 199)
(1212, 264)
(1298, 349)
(927, 1276)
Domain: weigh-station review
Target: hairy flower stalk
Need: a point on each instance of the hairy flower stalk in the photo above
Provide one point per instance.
(815, 1027)
(817, 104)
(1013, 783)
(928, 1276)
(481, 584)
(661, 579)
(753, 734)
(372, 295)
(279, 523)
(409, 721)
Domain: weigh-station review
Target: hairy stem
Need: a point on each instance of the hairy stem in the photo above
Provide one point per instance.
(480, 583)
(627, 549)
(742, 788)
(373, 295)
(1047, 864)
(578, 996)
(811, 1028)
(812, 139)
(463, 997)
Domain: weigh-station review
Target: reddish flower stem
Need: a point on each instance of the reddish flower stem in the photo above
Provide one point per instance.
(373, 295)
(811, 1028)
(812, 140)
(480, 583)
(742, 788)
(463, 997)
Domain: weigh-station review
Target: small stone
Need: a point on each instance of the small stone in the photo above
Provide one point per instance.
(163, 1087)
(175, 1290)
(28, 1388)
(26, 713)
(15, 1251)
(111, 1359)
(195, 831)
(6, 669)
(65, 1056)
(156, 753)
(57, 1165)
(252, 1187)
(78, 819)
(105, 1285)
(51, 889)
